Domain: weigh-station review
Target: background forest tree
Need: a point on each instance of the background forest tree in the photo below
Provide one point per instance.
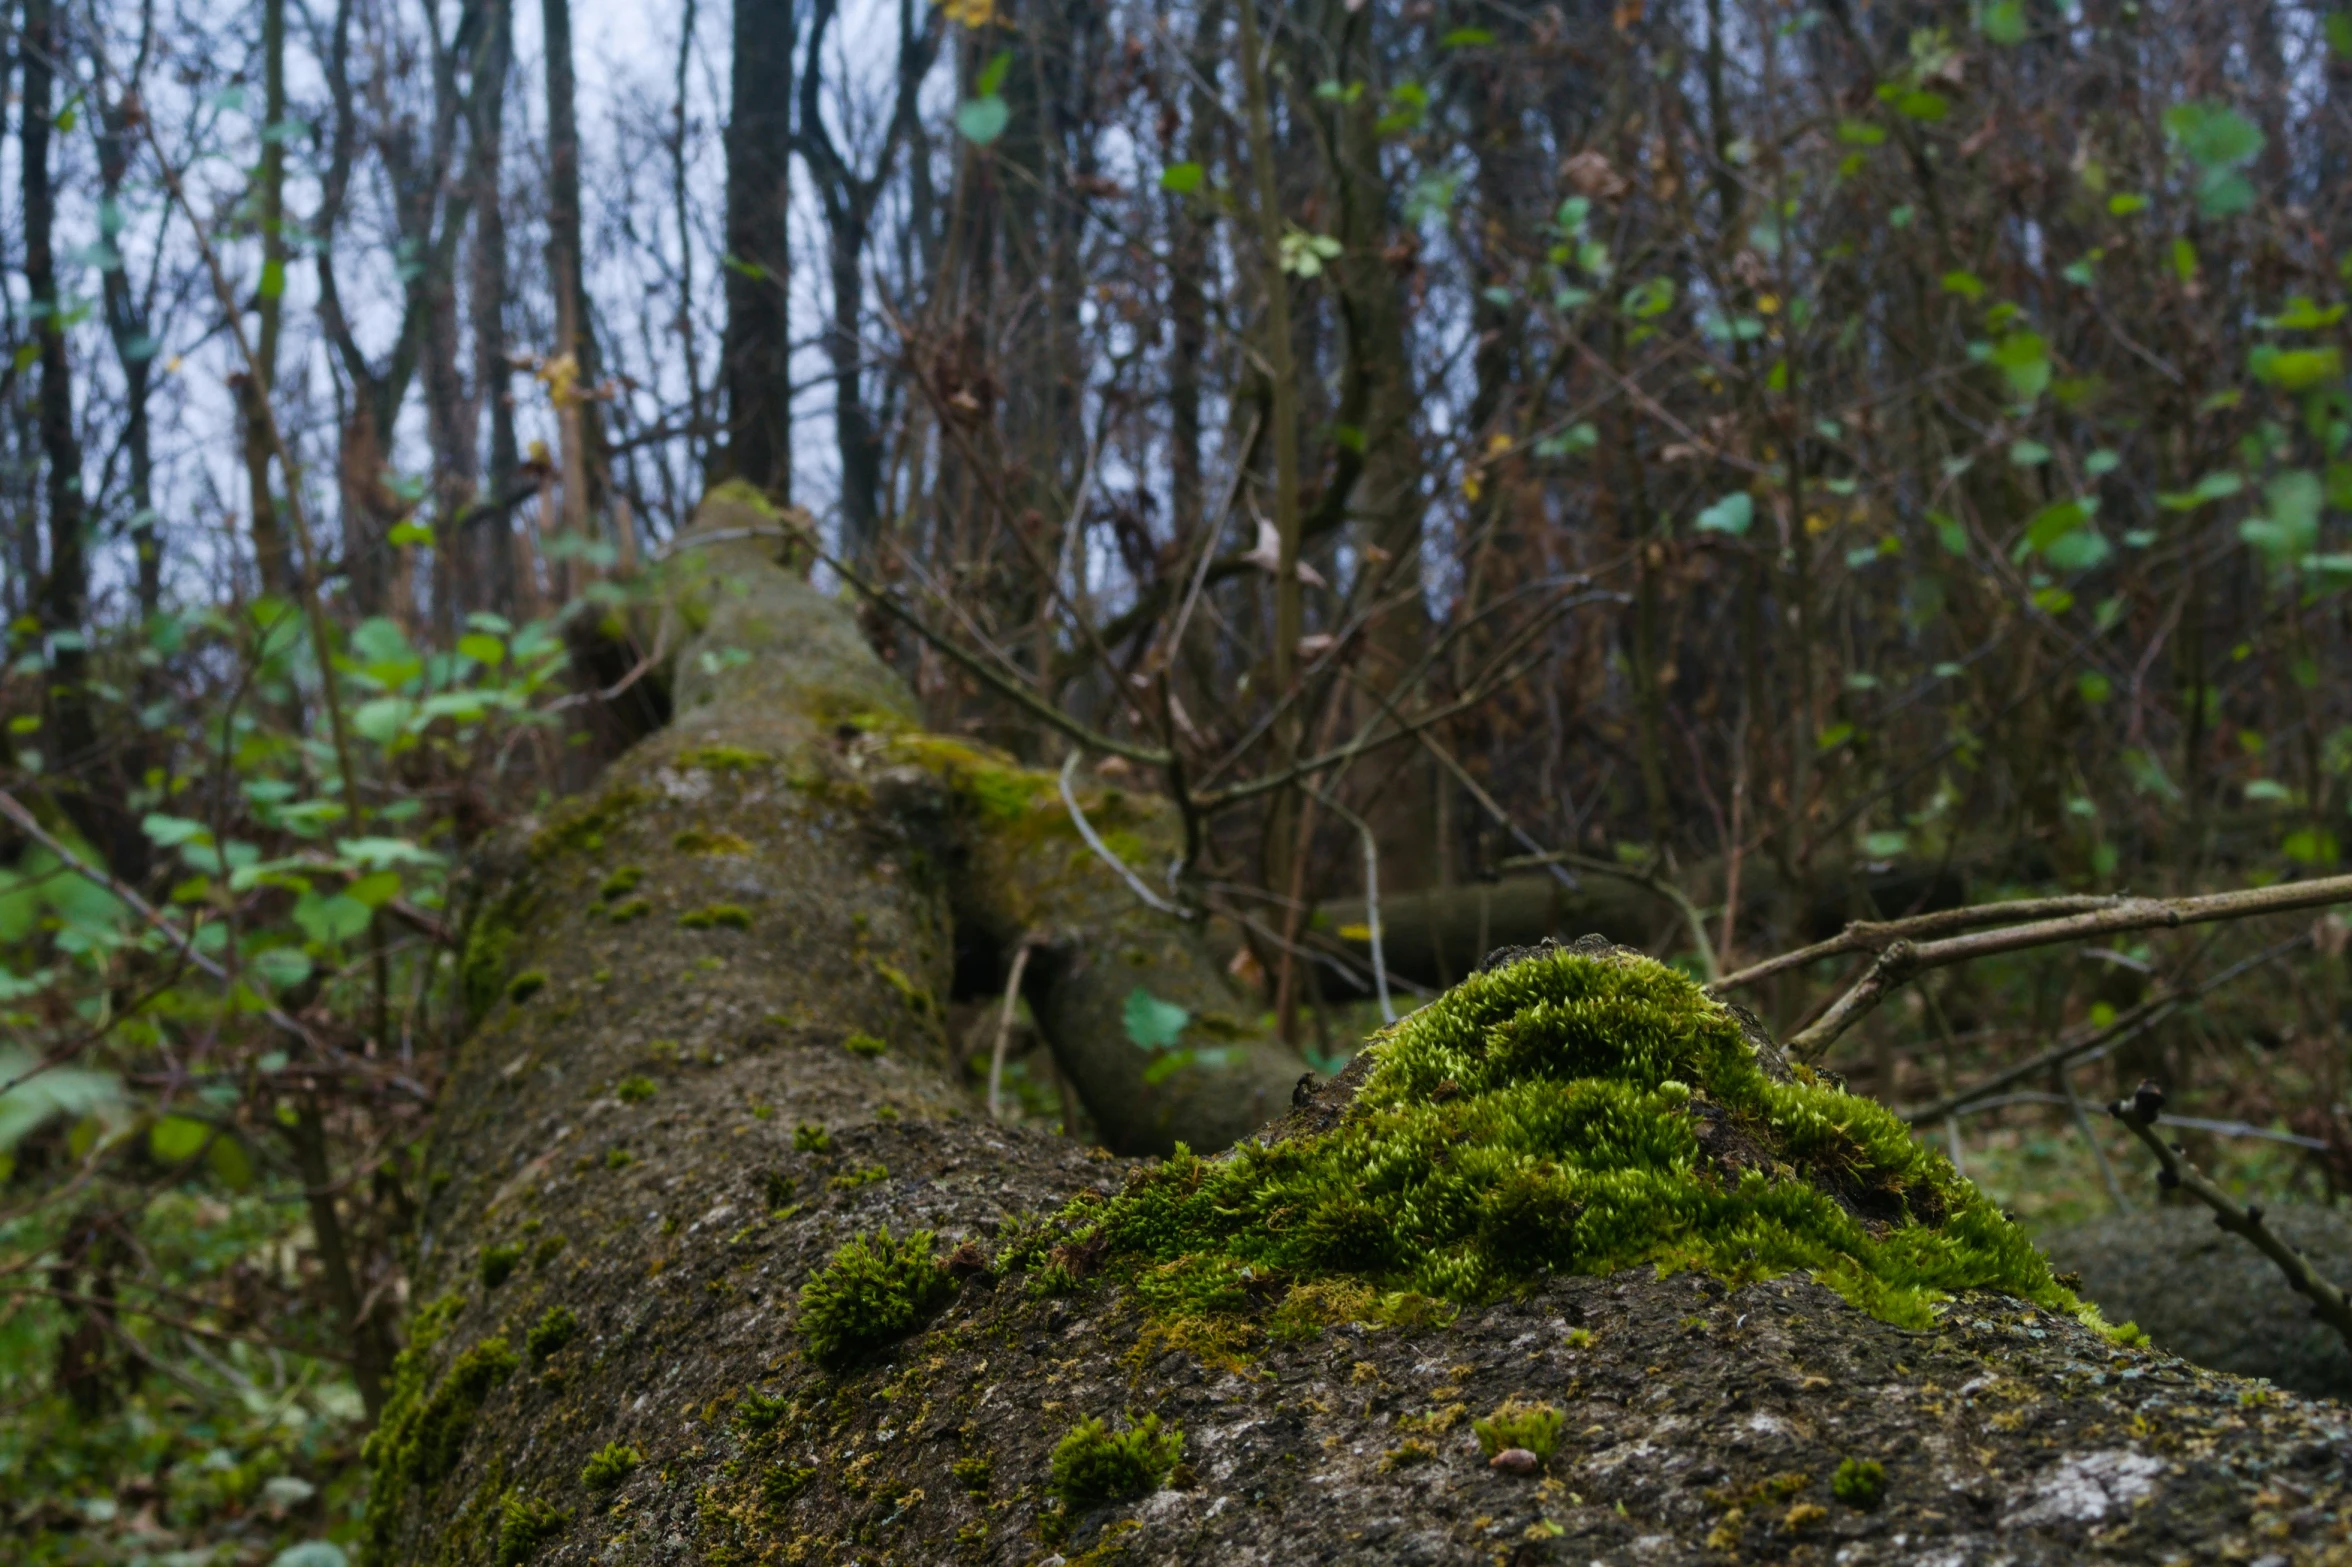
(1701, 471)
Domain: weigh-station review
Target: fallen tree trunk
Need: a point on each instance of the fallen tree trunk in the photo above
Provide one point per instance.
(709, 1055)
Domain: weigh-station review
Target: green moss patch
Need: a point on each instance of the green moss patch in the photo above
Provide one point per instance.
(717, 916)
(1094, 1464)
(609, 1465)
(551, 1332)
(524, 1524)
(422, 1432)
(1572, 1112)
(874, 1290)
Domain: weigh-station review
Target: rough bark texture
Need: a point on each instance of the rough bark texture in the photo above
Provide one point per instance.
(673, 1112)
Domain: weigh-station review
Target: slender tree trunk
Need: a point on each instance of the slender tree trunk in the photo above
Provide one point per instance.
(566, 270)
(756, 357)
(491, 547)
(62, 602)
(255, 387)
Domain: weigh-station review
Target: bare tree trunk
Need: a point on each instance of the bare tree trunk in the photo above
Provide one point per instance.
(756, 358)
(62, 600)
(491, 548)
(272, 561)
(565, 268)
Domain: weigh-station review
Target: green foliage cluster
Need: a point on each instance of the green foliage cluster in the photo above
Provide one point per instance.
(1093, 1464)
(499, 1263)
(1518, 1423)
(423, 1430)
(872, 1291)
(609, 1465)
(551, 1333)
(1547, 1116)
(524, 1524)
(1859, 1483)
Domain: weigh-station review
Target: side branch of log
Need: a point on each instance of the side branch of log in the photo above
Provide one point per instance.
(1903, 960)
(2140, 1112)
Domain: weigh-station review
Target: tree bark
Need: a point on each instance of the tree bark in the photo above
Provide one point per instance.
(756, 357)
(272, 560)
(491, 548)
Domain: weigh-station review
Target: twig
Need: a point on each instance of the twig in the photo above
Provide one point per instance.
(1877, 935)
(2142, 1112)
(2148, 1014)
(1902, 960)
(1004, 1021)
(2193, 1123)
(1371, 897)
(1103, 850)
(2082, 1125)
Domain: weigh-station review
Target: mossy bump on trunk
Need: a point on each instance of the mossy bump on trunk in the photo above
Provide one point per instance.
(679, 1200)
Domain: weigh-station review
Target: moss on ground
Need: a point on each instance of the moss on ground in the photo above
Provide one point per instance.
(1575, 1112)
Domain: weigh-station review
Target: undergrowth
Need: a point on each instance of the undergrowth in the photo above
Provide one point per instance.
(1569, 1112)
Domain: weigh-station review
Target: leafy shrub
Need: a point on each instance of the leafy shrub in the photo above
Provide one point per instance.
(1093, 1465)
(872, 1291)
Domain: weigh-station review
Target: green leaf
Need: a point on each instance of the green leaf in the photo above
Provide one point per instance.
(1466, 38)
(1920, 104)
(1733, 514)
(982, 120)
(1966, 284)
(2213, 135)
(1653, 297)
(273, 278)
(281, 967)
(2028, 454)
(2125, 205)
(409, 533)
(992, 75)
(375, 889)
(2291, 529)
(1885, 845)
(1153, 1024)
(2002, 21)
(382, 719)
(329, 921)
(2296, 369)
(2339, 34)
(1183, 178)
(482, 648)
(2025, 359)
(177, 1138)
(1860, 133)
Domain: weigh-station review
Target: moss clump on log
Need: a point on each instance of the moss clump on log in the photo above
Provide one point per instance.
(1095, 1464)
(1573, 1111)
(874, 1290)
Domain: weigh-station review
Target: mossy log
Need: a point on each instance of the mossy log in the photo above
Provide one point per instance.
(719, 1264)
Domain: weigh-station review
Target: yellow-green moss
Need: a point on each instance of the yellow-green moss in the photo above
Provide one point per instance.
(418, 1440)
(1518, 1423)
(862, 1043)
(551, 1333)
(711, 841)
(628, 911)
(525, 985)
(1860, 1483)
(609, 1465)
(872, 1291)
(634, 1089)
(1094, 1464)
(918, 1000)
(498, 1264)
(524, 1524)
(621, 882)
(717, 916)
(1548, 1116)
(582, 824)
(724, 759)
